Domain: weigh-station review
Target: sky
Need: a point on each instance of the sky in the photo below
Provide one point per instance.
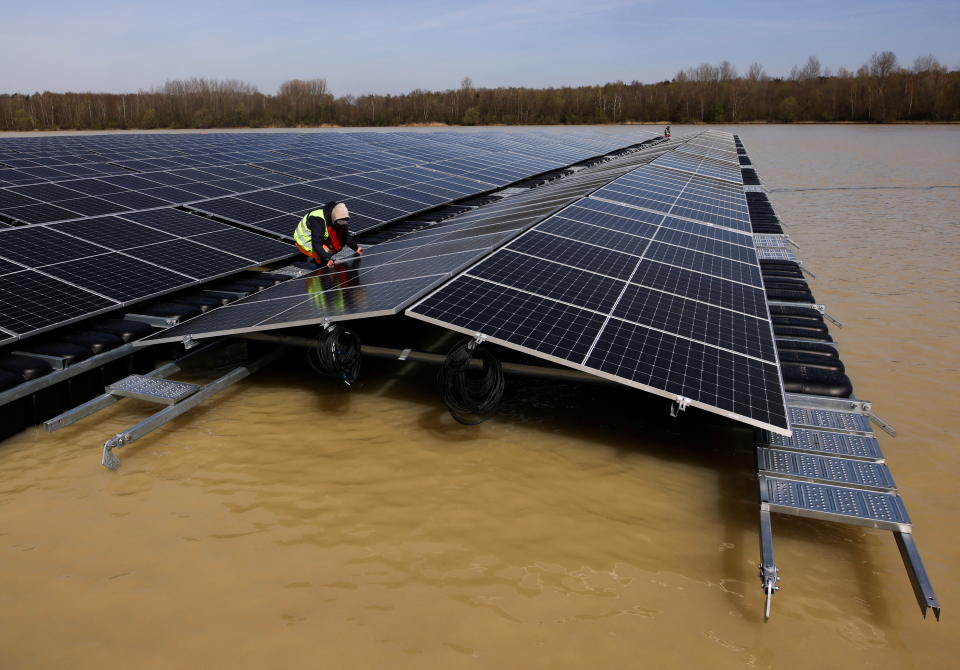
(379, 46)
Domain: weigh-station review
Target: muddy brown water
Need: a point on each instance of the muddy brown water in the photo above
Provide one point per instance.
(289, 525)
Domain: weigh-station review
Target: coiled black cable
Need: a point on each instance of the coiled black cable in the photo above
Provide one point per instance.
(337, 353)
(472, 392)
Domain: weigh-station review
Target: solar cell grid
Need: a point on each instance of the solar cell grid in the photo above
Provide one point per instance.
(236, 209)
(552, 280)
(37, 246)
(7, 267)
(749, 300)
(696, 321)
(30, 300)
(176, 222)
(111, 232)
(247, 245)
(90, 206)
(630, 243)
(91, 187)
(278, 201)
(10, 199)
(117, 276)
(191, 259)
(568, 252)
(47, 192)
(699, 262)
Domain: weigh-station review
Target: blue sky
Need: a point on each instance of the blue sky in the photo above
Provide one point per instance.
(392, 47)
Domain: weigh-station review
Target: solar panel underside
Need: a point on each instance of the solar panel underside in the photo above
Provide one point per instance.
(622, 285)
(391, 275)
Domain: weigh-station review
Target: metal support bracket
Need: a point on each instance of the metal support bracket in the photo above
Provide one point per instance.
(803, 267)
(56, 362)
(886, 427)
(831, 319)
(152, 320)
(922, 588)
(679, 404)
(769, 575)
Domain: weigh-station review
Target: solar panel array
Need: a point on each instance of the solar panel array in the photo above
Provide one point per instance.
(91, 223)
(651, 281)
(391, 275)
(265, 180)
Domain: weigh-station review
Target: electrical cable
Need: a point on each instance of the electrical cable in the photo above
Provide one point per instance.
(336, 353)
(472, 392)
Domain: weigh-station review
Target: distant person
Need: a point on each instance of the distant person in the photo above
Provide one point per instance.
(666, 131)
(323, 232)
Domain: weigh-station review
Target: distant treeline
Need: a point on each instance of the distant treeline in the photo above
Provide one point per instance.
(879, 91)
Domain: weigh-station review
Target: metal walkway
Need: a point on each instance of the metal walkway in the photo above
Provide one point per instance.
(832, 469)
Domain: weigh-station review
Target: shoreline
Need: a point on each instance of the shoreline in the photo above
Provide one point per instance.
(438, 125)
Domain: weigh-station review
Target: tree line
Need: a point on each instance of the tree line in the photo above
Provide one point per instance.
(880, 91)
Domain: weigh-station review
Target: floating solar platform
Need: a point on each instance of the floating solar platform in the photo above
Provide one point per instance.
(651, 281)
(80, 187)
(389, 276)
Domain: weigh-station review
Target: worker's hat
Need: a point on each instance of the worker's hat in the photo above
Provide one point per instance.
(339, 211)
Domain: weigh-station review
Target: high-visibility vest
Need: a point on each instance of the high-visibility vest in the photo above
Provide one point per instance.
(302, 234)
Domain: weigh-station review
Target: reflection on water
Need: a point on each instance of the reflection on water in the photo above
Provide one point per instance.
(290, 524)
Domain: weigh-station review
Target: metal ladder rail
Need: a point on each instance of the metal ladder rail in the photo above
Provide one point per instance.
(151, 423)
(832, 469)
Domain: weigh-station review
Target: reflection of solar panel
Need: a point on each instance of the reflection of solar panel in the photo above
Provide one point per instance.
(618, 287)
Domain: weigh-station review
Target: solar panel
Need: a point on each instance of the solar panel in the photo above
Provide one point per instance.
(7, 267)
(237, 210)
(111, 232)
(39, 213)
(675, 313)
(90, 206)
(190, 258)
(92, 187)
(38, 245)
(247, 245)
(118, 276)
(10, 198)
(176, 222)
(30, 301)
(135, 199)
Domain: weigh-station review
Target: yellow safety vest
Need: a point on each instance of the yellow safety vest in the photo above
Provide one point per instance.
(302, 234)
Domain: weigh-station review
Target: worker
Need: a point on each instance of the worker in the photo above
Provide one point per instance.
(666, 131)
(323, 232)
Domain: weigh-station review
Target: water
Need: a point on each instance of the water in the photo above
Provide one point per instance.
(289, 525)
